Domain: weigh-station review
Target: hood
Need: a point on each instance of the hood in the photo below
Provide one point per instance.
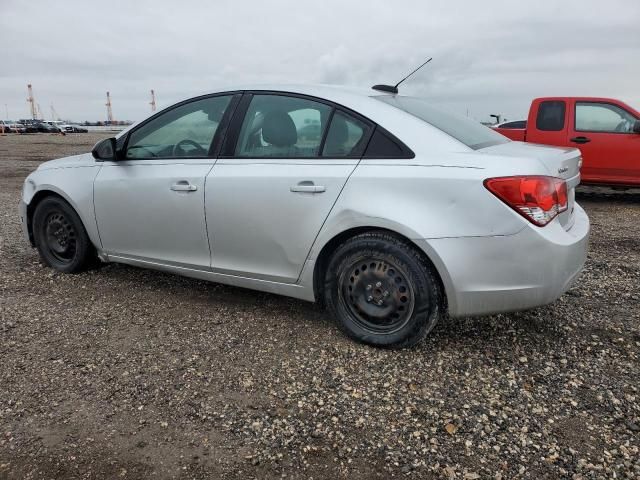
(562, 162)
(83, 160)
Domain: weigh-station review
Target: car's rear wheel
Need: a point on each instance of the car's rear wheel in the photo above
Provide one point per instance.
(381, 290)
(60, 237)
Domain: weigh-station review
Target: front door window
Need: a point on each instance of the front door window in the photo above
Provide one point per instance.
(184, 131)
(603, 117)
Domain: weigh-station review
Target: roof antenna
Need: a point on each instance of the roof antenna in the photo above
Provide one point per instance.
(394, 89)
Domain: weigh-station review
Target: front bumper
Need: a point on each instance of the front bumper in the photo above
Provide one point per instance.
(485, 275)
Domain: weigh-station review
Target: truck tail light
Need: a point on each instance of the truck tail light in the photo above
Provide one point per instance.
(537, 198)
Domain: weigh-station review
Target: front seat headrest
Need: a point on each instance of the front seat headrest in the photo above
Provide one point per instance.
(278, 129)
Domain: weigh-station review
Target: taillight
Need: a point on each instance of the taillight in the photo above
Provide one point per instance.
(537, 198)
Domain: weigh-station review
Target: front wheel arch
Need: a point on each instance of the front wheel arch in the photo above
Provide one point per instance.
(33, 204)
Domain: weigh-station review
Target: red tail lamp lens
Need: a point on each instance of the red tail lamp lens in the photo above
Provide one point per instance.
(537, 198)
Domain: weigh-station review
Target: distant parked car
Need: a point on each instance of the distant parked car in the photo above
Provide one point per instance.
(45, 127)
(12, 127)
(68, 128)
(18, 127)
(28, 125)
(390, 211)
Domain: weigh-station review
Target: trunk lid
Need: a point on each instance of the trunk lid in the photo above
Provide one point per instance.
(561, 162)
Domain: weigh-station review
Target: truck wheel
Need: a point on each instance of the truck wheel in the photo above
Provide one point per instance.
(60, 237)
(381, 291)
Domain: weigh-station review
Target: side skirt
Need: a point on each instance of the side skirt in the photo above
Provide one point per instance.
(301, 292)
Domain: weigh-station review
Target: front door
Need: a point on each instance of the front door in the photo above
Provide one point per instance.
(268, 198)
(604, 134)
(150, 205)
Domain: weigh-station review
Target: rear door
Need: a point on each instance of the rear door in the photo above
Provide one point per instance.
(150, 204)
(604, 133)
(284, 164)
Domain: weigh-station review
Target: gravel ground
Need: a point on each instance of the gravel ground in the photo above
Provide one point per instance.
(127, 373)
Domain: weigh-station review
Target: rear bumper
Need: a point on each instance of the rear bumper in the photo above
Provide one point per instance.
(484, 275)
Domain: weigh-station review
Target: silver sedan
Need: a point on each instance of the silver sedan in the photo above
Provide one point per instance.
(387, 210)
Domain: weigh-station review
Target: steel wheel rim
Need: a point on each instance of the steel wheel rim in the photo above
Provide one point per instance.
(377, 294)
(60, 237)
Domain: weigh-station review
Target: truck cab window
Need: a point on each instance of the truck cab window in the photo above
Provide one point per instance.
(551, 115)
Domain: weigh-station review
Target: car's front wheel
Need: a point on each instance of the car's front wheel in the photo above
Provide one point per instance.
(381, 291)
(60, 236)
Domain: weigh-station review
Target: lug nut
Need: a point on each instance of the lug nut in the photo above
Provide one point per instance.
(368, 287)
(369, 298)
(386, 293)
(379, 302)
(379, 284)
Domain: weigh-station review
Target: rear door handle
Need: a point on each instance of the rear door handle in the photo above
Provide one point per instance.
(183, 186)
(307, 187)
(580, 140)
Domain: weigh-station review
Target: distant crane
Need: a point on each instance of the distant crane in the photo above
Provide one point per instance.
(32, 102)
(109, 111)
(54, 114)
(153, 101)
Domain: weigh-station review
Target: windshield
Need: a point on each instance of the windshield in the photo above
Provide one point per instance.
(473, 134)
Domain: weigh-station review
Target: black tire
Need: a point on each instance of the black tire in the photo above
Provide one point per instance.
(381, 291)
(61, 238)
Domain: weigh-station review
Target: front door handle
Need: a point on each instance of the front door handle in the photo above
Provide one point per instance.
(183, 186)
(307, 187)
(580, 140)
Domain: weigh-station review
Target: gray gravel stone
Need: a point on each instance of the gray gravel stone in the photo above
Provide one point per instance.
(127, 373)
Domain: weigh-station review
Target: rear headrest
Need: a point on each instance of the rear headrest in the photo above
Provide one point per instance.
(278, 129)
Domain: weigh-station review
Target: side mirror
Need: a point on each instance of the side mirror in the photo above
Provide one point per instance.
(636, 127)
(105, 149)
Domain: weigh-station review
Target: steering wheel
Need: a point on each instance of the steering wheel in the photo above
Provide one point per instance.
(621, 127)
(178, 151)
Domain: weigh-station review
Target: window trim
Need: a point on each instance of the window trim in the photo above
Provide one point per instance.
(364, 141)
(407, 152)
(227, 151)
(504, 125)
(593, 102)
(216, 141)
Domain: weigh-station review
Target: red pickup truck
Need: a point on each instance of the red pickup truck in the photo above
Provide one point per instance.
(606, 131)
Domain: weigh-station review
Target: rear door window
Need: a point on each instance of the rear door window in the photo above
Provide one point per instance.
(551, 115)
(346, 136)
(279, 126)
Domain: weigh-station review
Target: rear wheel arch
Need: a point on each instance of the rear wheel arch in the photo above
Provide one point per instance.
(325, 254)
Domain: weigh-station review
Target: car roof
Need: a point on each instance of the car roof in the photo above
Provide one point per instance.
(363, 101)
(316, 90)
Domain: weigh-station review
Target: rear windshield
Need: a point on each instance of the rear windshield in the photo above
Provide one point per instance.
(473, 134)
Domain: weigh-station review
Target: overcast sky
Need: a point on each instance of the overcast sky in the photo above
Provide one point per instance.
(490, 56)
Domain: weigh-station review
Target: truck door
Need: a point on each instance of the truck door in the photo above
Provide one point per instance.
(604, 134)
